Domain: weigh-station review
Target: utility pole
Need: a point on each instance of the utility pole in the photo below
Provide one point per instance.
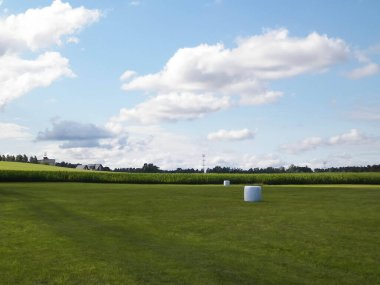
(204, 163)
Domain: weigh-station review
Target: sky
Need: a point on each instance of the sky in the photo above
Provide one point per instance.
(247, 83)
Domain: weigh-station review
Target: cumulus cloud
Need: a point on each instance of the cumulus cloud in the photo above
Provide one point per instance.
(243, 71)
(34, 30)
(13, 131)
(43, 27)
(70, 130)
(215, 68)
(364, 71)
(173, 107)
(75, 134)
(368, 68)
(19, 76)
(232, 135)
(354, 136)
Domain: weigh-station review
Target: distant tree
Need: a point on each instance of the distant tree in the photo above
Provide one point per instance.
(33, 159)
(295, 169)
(10, 158)
(150, 168)
(67, 164)
(19, 158)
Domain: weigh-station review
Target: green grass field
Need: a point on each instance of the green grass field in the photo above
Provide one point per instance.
(73, 233)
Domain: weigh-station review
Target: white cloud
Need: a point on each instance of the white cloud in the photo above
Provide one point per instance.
(134, 3)
(305, 145)
(172, 107)
(244, 71)
(13, 131)
(261, 98)
(368, 68)
(364, 71)
(70, 130)
(127, 75)
(261, 161)
(269, 56)
(141, 144)
(73, 40)
(19, 76)
(153, 144)
(144, 144)
(232, 135)
(79, 135)
(352, 137)
(43, 27)
(31, 31)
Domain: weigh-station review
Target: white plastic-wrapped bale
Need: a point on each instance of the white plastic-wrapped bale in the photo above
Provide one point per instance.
(252, 193)
(226, 183)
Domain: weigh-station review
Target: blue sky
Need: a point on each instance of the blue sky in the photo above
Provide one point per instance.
(248, 83)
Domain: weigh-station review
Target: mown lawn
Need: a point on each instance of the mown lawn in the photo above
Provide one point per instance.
(73, 233)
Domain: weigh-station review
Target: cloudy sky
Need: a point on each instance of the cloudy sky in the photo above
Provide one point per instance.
(248, 83)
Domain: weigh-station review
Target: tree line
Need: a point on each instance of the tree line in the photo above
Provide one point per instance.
(368, 168)
(19, 158)
(151, 168)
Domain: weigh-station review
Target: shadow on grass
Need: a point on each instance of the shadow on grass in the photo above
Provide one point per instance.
(137, 251)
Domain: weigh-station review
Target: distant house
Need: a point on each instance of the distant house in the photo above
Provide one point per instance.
(46, 161)
(82, 167)
(97, 167)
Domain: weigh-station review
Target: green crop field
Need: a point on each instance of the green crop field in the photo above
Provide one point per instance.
(19, 166)
(84, 233)
(23, 172)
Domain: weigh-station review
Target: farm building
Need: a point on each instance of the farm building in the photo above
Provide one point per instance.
(97, 167)
(82, 167)
(46, 161)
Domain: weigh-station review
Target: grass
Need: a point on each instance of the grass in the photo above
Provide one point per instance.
(73, 233)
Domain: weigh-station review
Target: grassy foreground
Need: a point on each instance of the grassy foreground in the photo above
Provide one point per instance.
(73, 233)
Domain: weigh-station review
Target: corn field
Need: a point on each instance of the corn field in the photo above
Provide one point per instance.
(184, 178)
